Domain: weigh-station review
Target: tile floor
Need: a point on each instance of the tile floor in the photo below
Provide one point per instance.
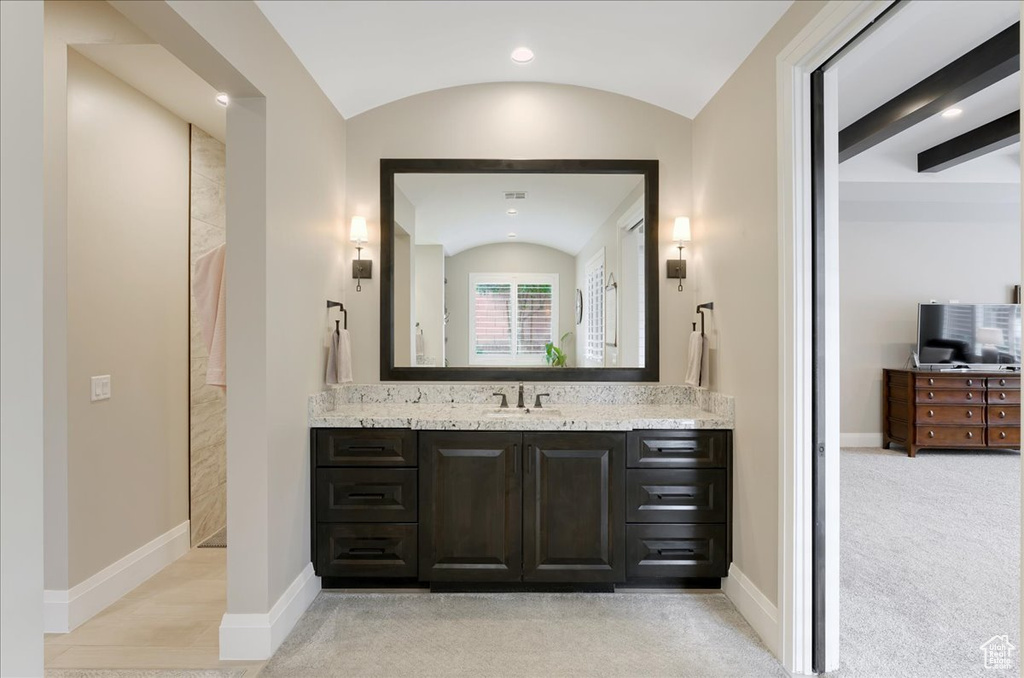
(169, 622)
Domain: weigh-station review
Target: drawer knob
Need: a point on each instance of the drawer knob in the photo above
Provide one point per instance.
(969, 414)
(1002, 396)
(1002, 382)
(970, 382)
(931, 396)
(970, 396)
(931, 413)
(931, 382)
(1002, 415)
(1002, 434)
(970, 434)
(931, 434)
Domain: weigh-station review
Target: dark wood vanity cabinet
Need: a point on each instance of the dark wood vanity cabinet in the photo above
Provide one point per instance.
(501, 507)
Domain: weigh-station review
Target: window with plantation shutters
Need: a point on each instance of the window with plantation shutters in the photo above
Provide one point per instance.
(594, 310)
(512, 317)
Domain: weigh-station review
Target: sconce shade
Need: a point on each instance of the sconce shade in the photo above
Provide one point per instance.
(357, 231)
(681, 230)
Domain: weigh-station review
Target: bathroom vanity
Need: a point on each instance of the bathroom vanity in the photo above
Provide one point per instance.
(462, 496)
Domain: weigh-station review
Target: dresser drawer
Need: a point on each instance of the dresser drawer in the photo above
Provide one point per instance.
(1011, 383)
(961, 381)
(366, 495)
(1004, 435)
(1004, 415)
(656, 551)
(676, 496)
(366, 550)
(677, 449)
(925, 395)
(365, 447)
(999, 397)
(952, 436)
(951, 414)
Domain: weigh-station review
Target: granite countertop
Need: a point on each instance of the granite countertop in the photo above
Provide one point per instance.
(553, 417)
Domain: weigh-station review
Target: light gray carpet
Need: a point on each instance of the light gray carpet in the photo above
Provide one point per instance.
(930, 561)
(522, 634)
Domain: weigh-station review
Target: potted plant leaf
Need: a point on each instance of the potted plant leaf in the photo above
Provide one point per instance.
(555, 356)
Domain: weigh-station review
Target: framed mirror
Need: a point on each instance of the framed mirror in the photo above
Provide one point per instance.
(519, 270)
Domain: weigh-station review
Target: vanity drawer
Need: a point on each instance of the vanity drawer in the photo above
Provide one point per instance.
(1004, 435)
(951, 414)
(656, 551)
(1012, 383)
(366, 550)
(676, 496)
(366, 495)
(998, 397)
(936, 395)
(365, 447)
(951, 436)
(949, 381)
(1008, 415)
(677, 449)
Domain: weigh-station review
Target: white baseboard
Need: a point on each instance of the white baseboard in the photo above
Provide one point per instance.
(63, 611)
(754, 606)
(860, 439)
(257, 636)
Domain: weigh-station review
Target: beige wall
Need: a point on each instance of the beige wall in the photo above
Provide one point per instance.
(504, 258)
(21, 339)
(886, 269)
(430, 289)
(519, 120)
(736, 238)
(208, 459)
(127, 274)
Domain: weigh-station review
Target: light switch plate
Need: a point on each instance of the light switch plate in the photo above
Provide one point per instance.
(100, 388)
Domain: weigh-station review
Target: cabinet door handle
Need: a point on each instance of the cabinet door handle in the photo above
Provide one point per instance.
(515, 460)
(366, 552)
(674, 496)
(529, 458)
(673, 552)
(366, 495)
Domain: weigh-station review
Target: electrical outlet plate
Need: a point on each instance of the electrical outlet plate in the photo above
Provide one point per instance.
(100, 388)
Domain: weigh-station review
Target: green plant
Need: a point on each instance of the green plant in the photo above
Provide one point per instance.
(556, 355)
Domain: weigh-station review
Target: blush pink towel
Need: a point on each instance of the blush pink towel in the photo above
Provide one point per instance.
(209, 292)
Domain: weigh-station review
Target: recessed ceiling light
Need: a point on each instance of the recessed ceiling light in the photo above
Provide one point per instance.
(951, 113)
(223, 99)
(522, 55)
(511, 235)
(512, 212)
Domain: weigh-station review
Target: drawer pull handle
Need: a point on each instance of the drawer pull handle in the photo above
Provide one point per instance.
(931, 434)
(969, 414)
(970, 396)
(366, 552)
(674, 552)
(367, 448)
(970, 434)
(1002, 396)
(1002, 382)
(931, 382)
(931, 413)
(970, 382)
(1002, 415)
(931, 396)
(366, 495)
(674, 496)
(1002, 435)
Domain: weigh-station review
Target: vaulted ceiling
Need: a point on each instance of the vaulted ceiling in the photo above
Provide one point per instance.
(672, 54)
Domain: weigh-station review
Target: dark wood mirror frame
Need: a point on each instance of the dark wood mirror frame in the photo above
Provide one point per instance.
(390, 167)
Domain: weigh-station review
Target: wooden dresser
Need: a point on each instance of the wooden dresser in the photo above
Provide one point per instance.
(950, 410)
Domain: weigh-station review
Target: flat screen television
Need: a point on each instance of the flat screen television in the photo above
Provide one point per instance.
(980, 336)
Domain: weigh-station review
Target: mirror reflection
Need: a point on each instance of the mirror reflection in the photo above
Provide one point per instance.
(519, 270)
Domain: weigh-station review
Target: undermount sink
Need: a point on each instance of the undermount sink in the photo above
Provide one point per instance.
(514, 412)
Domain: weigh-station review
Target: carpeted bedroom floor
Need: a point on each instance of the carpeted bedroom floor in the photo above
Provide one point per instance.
(930, 561)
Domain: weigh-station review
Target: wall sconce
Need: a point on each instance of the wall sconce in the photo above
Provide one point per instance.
(676, 268)
(360, 269)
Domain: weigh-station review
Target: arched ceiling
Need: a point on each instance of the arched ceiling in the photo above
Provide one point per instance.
(671, 54)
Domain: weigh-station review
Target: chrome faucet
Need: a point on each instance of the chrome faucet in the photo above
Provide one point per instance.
(520, 404)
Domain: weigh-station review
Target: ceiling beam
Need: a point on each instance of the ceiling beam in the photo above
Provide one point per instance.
(988, 63)
(991, 136)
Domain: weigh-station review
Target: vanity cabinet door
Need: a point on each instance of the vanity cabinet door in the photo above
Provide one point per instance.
(574, 517)
(470, 506)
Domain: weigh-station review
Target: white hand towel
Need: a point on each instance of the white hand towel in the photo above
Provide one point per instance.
(344, 357)
(419, 344)
(210, 294)
(332, 359)
(693, 365)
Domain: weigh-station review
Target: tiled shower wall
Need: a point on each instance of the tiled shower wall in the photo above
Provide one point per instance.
(208, 451)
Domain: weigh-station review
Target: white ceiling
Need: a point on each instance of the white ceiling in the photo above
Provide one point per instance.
(563, 211)
(902, 52)
(158, 74)
(672, 54)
